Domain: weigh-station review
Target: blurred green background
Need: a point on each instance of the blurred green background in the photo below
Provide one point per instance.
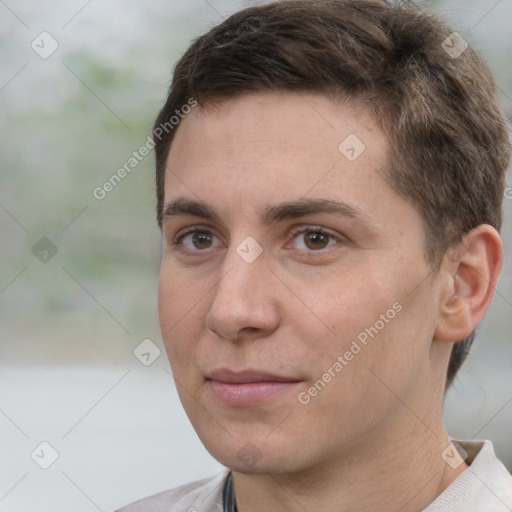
(69, 325)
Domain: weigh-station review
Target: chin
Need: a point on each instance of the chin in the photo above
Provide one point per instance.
(255, 455)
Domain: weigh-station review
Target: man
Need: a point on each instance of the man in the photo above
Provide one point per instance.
(329, 194)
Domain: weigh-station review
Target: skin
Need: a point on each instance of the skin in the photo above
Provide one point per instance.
(372, 438)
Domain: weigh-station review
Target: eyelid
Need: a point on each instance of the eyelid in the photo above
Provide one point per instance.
(314, 228)
(191, 229)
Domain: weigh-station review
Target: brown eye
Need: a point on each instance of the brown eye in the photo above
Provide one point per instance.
(313, 239)
(202, 239)
(197, 240)
(316, 240)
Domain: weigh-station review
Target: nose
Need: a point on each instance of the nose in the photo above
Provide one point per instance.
(244, 302)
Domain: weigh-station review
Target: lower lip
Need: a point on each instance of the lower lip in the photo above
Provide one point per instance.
(245, 394)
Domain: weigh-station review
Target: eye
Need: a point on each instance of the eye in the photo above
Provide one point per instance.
(313, 239)
(197, 240)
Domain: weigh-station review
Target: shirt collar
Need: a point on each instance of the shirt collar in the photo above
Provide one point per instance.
(228, 495)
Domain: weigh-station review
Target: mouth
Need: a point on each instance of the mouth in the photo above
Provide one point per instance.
(249, 387)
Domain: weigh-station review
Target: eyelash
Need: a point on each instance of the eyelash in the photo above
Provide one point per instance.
(178, 242)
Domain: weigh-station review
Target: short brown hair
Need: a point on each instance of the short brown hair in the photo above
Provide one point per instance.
(448, 139)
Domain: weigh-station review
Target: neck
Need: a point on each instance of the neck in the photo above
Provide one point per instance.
(386, 473)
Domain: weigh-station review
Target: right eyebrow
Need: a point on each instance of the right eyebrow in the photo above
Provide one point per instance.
(182, 206)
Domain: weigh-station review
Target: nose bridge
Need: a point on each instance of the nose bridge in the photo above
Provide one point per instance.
(241, 298)
(240, 278)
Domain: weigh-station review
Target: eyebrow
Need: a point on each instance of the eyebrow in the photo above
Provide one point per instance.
(272, 213)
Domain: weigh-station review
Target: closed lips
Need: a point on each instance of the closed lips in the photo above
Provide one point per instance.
(246, 376)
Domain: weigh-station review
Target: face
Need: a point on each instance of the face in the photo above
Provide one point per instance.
(295, 301)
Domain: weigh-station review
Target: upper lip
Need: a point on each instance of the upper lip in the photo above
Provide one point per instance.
(244, 376)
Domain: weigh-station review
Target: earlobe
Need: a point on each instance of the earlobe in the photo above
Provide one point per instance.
(469, 283)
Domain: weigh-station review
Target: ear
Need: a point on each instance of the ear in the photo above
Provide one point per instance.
(469, 282)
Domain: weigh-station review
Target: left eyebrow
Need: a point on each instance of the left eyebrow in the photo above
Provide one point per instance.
(303, 207)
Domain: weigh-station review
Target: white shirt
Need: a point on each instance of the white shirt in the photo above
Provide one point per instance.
(486, 486)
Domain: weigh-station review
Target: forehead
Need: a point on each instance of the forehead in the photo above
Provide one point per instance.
(257, 149)
(278, 123)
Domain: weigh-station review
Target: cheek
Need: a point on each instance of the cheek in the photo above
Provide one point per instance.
(355, 305)
(372, 326)
(178, 294)
(366, 317)
(383, 334)
(180, 312)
